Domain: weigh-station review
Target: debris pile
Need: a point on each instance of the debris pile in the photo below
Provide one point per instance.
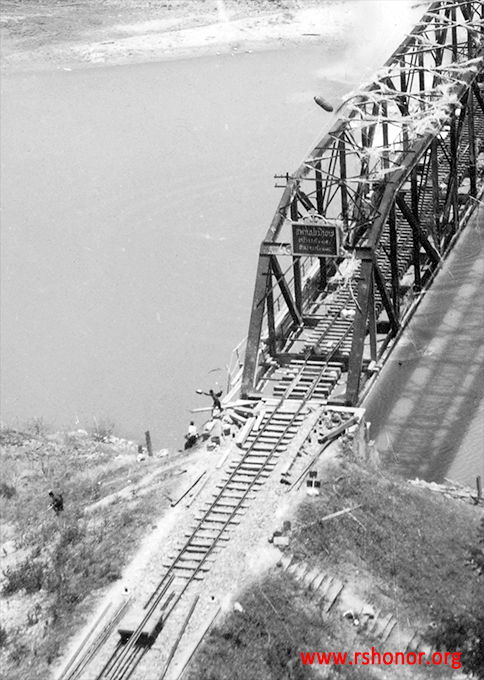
(451, 490)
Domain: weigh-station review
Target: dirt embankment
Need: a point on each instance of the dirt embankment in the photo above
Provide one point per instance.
(55, 35)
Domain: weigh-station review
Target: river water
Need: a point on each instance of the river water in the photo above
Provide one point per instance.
(134, 199)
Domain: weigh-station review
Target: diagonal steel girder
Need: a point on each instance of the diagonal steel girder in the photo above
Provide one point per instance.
(391, 197)
(439, 59)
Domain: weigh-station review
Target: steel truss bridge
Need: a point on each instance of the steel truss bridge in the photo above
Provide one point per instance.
(397, 175)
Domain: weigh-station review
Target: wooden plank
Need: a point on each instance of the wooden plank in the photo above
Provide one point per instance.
(244, 432)
(339, 513)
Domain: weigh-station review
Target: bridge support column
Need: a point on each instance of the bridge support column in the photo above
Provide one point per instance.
(365, 294)
(255, 328)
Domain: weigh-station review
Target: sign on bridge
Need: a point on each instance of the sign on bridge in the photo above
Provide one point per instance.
(321, 238)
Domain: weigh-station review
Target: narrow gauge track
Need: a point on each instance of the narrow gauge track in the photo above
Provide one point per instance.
(192, 560)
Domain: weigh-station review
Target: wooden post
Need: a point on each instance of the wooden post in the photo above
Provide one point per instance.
(148, 443)
(479, 487)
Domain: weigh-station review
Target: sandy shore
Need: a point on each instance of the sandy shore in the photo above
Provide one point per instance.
(55, 35)
(52, 35)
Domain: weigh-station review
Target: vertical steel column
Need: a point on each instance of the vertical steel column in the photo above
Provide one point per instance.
(453, 180)
(392, 225)
(455, 53)
(471, 132)
(296, 263)
(255, 326)
(342, 182)
(434, 169)
(421, 76)
(404, 103)
(359, 327)
(271, 324)
(454, 166)
(416, 242)
(372, 321)
(386, 152)
(323, 279)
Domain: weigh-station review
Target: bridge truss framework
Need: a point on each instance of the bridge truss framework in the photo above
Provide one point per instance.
(397, 173)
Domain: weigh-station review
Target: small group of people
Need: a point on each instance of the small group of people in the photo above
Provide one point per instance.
(192, 435)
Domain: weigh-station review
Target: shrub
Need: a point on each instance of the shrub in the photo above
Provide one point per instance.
(6, 490)
(463, 632)
(102, 430)
(37, 427)
(476, 553)
(28, 576)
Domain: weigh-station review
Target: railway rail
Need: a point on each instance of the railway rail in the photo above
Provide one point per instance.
(279, 422)
(400, 175)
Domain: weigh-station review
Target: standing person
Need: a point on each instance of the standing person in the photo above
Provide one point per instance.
(191, 436)
(217, 404)
(56, 502)
(216, 398)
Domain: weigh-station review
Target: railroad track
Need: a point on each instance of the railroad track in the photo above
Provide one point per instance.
(311, 375)
(275, 424)
(327, 335)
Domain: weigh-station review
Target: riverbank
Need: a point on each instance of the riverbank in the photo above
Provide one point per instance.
(57, 566)
(124, 515)
(89, 33)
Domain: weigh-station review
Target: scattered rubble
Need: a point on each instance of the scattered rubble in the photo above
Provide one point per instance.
(450, 490)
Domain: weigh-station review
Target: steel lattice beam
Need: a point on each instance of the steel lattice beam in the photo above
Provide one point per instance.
(393, 158)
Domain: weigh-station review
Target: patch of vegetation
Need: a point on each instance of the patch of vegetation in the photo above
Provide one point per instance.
(38, 427)
(72, 555)
(464, 632)
(102, 430)
(28, 576)
(6, 490)
(413, 542)
(265, 641)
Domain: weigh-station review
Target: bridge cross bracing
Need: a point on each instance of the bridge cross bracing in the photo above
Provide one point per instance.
(398, 174)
